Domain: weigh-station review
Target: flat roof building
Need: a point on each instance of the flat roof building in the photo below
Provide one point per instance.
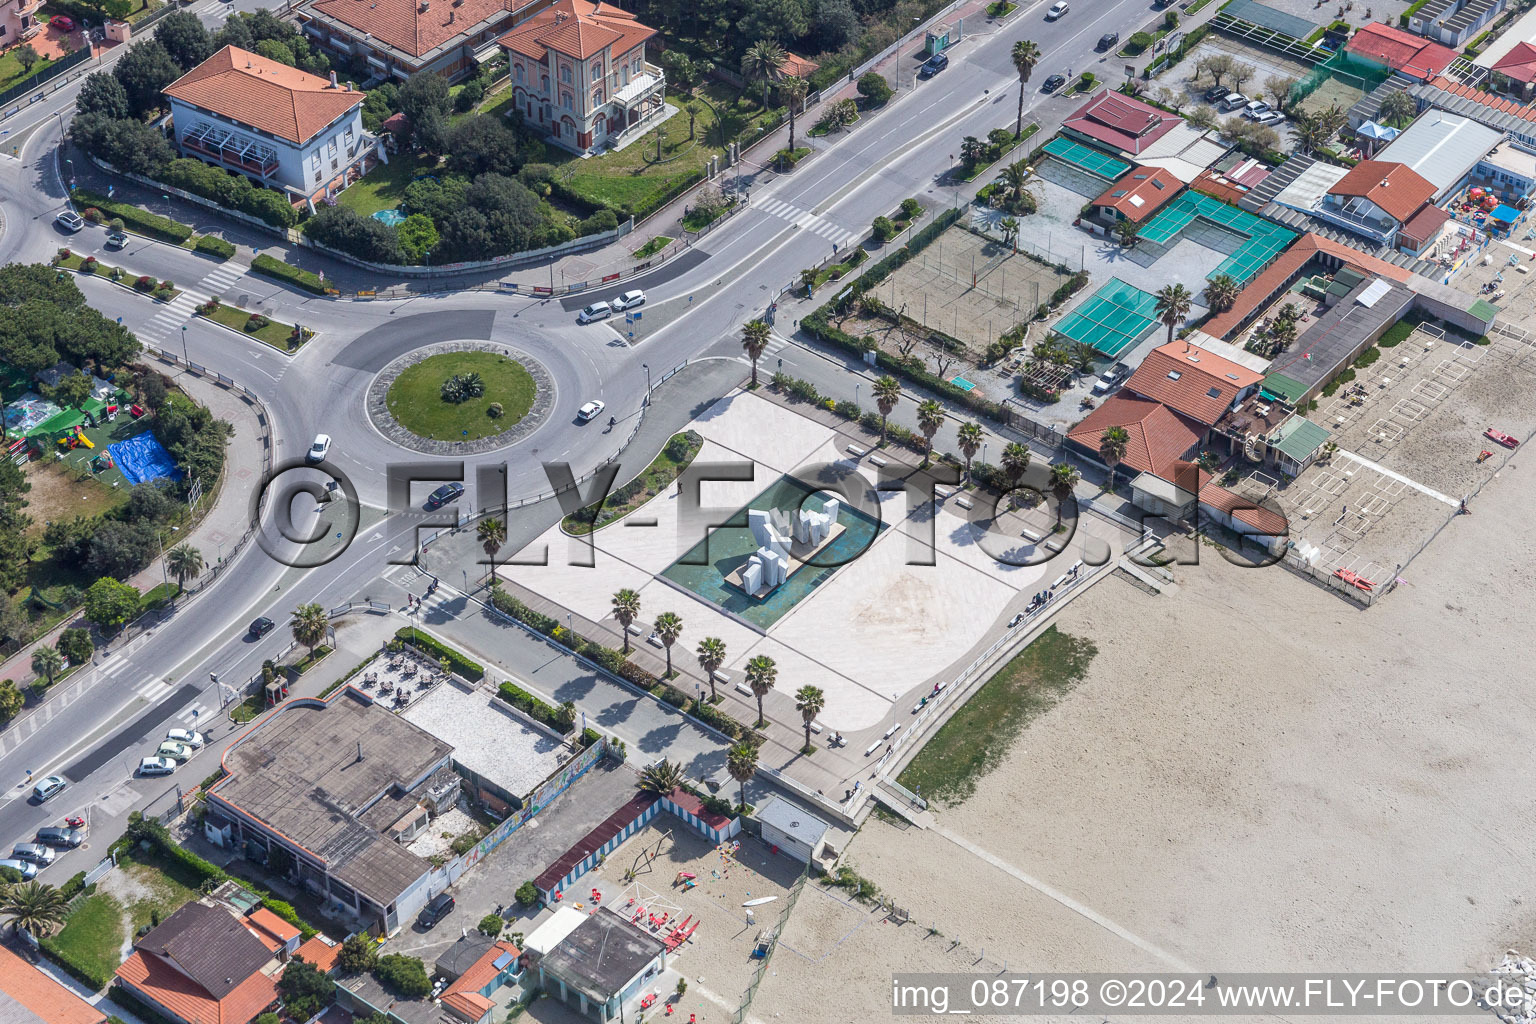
(602, 964)
(338, 784)
(1442, 148)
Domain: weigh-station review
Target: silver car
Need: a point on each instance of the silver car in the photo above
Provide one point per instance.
(37, 853)
(25, 868)
(596, 311)
(156, 766)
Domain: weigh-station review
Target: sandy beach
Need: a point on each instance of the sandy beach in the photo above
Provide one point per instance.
(1254, 775)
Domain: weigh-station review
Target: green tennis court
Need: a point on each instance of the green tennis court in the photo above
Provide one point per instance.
(1113, 319)
(1100, 165)
(1266, 240)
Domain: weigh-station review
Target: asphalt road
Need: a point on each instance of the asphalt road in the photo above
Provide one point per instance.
(694, 310)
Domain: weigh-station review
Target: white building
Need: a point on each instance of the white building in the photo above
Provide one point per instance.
(281, 127)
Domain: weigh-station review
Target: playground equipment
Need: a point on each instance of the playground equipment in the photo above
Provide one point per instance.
(1355, 580)
(1501, 437)
(80, 434)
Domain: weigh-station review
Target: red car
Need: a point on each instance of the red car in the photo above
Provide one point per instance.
(1501, 437)
(62, 22)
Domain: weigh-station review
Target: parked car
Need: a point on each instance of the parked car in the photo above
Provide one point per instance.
(320, 449)
(596, 311)
(444, 494)
(156, 766)
(629, 300)
(70, 221)
(1108, 40)
(25, 868)
(1053, 83)
(1112, 378)
(1233, 100)
(1057, 10)
(262, 626)
(116, 239)
(37, 853)
(1215, 93)
(187, 736)
(177, 752)
(62, 22)
(53, 835)
(1254, 108)
(48, 788)
(591, 410)
(440, 907)
(1270, 117)
(933, 65)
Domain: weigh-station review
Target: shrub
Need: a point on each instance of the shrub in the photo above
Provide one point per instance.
(64, 254)
(126, 215)
(92, 215)
(214, 246)
(458, 663)
(256, 322)
(495, 411)
(533, 707)
(874, 88)
(491, 924)
(359, 953)
(144, 282)
(911, 207)
(884, 229)
(405, 975)
(276, 268)
(527, 894)
(88, 265)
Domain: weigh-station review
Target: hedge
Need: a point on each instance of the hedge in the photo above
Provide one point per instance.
(135, 218)
(538, 710)
(458, 663)
(295, 276)
(214, 246)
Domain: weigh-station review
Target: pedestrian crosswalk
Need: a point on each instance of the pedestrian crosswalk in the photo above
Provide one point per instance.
(173, 315)
(152, 690)
(221, 278)
(807, 221)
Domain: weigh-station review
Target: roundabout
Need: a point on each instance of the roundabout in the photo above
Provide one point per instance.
(460, 398)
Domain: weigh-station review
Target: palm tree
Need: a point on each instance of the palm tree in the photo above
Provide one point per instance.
(762, 673)
(887, 392)
(47, 662)
(626, 608)
(1015, 462)
(1221, 293)
(1173, 302)
(711, 655)
(741, 762)
(970, 444)
(1010, 228)
(972, 151)
(492, 532)
(930, 417)
(1083, 357)
(668, 626)
(309, 625)
(1397, 109)
(1112, 449)
(754, 339)
(1127, 233)
(809, 701)
(762, 61)
(1311, 132)
(1014, 189)
(661, 778)
(183, 562)
(35, 906)
(1332, 118)
(793, 90)
(1025, 55)
(1064, 477)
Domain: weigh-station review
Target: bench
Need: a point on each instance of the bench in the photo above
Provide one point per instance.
(721, 677)
(1031, 536)
(943, 493)
(744, 689)
(964, 502)
(854, 450)
(635, 630)
(877, 460)
(815, 726)
(873, 747)
(890, 732)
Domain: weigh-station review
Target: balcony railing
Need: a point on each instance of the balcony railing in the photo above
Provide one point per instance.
(266, 170)
(639, 85)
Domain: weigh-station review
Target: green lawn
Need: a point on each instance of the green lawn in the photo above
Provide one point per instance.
(383, 188)
(11, 71)
(76, 262)
(278, 335)
(415, 398)
(92, 939)
(160, 886)
(978, 735)
(652, 247)
(655, 479)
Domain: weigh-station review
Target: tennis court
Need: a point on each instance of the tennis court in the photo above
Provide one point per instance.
(1262, 240)
(1113, 319)
(1100, 165)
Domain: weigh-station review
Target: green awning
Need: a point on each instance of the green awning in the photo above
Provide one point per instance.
(1299, 438)
(1484, 311)
(1287, 389)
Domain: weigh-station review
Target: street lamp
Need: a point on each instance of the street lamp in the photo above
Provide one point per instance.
(161, 538)
(855, 392)
(647, 368)
(184, 354)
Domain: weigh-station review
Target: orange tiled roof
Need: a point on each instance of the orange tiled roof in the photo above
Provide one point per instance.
(1159, 437)
(271, 924)
(248, 88)
(796, 66)
(1265, 522)
(43, 996)
(411, 26)
(1191, 381)
(320, 952)
(184, 998)
(1396, 188)
(578, 29)
(1141, 193)
(1401, 51)
(470, 1005)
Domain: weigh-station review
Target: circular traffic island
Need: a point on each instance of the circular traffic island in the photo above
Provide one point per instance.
(460, 398)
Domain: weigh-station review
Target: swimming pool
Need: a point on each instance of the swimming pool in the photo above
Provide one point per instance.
(390, 217)
(702, 568)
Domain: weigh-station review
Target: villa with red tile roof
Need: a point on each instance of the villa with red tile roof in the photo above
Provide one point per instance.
(1135, 197)
(281, 127)
(399, 38)
(1380, 199)
(1401, 51)
(19, 21)
(1119, 123)
(204, 965)
(28, 996)
(579, 72)
(1197, 384)
(1519, 66)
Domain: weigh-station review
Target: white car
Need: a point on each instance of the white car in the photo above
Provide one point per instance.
(70, 221)
(590, 411)
(48, 788)
(25, 868)
(629, 300)
(596, 311)
(1255, 108)
(1057, 10)
(187, 736)
(156, 766)
(320, 449)
(1270, 117)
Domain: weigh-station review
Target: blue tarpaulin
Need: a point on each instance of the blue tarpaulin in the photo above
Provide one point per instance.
(141, 458)
(1507, 214)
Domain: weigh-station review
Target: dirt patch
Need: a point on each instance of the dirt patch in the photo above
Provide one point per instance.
(56, 494)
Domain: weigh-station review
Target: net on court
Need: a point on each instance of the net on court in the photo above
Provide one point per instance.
(1100, 165)
(1113, 319)
(1265, 240)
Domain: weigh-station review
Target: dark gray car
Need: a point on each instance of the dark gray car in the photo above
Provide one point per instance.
(57, 836)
